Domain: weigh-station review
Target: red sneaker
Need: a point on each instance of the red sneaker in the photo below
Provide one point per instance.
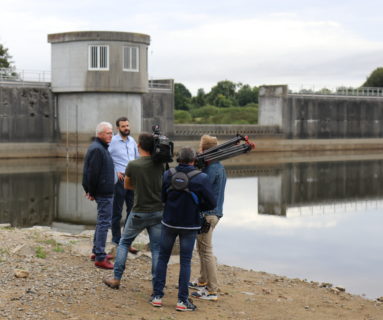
(108, 256)
(104, 264)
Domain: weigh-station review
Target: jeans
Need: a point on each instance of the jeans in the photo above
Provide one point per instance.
(104, 217)
(121, 195)
(137, 222)
(187, 240)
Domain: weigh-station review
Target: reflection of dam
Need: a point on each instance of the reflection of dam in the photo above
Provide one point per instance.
(28, 199)
(43, 191)
(298, 185)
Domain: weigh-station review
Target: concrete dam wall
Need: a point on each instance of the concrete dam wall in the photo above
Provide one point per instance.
(310, 116)
(27, 114)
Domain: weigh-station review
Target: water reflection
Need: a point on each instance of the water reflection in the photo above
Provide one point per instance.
(315, 220)
(333, 186)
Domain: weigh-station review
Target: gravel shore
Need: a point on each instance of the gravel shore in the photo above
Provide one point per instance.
(45, 274)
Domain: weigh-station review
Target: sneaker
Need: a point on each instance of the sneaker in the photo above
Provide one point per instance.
(185, 306)
(197, 285)
(205, 295)
(156, 301)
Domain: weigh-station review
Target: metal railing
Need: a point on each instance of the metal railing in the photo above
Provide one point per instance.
(342, 91)
(14, 75)
(161, 84)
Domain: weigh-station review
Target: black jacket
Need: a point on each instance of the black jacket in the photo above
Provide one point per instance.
(181, 211)
(98, 173)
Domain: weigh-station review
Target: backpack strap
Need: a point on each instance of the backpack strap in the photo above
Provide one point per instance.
(193, 173)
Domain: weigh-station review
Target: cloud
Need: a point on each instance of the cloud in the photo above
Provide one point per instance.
(201, 47)
(275, 49)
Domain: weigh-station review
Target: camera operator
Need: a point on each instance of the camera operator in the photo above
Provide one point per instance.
(144, 176)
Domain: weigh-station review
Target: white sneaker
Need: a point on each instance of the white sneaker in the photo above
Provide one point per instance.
(205, 295)
(156, 301)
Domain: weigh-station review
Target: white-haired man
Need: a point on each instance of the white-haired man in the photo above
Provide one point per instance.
(98, 183)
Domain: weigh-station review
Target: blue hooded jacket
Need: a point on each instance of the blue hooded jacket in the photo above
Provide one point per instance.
(181, 211)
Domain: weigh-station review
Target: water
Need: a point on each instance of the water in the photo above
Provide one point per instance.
(312, 220)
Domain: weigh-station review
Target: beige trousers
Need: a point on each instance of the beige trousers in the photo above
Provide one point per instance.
(208, 270)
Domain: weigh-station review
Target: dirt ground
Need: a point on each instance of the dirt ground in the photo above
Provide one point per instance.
(48, 275)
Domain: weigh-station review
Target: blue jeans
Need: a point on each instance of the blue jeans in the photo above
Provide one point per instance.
(137, 222)
(187, 239)
(121, 195)
(104, 218)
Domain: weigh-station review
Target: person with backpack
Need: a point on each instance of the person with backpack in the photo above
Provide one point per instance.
(185, 192)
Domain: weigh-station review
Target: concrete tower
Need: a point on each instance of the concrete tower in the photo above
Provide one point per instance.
(97, 76)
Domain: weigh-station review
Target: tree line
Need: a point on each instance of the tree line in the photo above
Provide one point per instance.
(226, 103)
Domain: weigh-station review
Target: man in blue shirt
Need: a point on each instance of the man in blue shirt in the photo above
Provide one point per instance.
(123, 149)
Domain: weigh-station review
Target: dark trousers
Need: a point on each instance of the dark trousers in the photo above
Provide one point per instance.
(104, 215)
(187, 239)
(121, 195)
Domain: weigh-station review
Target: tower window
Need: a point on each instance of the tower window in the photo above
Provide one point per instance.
(131, 58)
(98, 57)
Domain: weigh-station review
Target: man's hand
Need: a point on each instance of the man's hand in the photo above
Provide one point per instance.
(89, 197)
(128, 183)
(120, 176)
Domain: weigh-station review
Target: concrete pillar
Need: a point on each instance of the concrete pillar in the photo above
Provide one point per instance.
(273, 106)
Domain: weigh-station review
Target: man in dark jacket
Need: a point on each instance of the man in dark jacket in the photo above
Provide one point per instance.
(181, 218)
(98, 183)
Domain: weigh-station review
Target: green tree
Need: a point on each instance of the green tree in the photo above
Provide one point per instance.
(224, 88)
(182, 116)
(375, 79)
(6, 65)
(222, 101)
(246, 95)
(182, 97)
(200, 99)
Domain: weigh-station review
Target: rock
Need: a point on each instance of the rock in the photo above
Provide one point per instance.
(266, 291)
(19, 273)
(17, 249)
(380, 299)
(325, 285)
(248, 293)
(343, 289)
(334, 290)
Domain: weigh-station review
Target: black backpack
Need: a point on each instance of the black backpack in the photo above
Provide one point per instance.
(180, 180)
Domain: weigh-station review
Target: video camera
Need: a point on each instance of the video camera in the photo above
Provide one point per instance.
(162, 148)
(226, 150)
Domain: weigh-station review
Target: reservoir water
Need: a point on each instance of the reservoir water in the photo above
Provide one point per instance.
(315, 220)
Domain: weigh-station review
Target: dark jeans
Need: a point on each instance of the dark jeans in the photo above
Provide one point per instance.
(137, 222)
(104, 218)
(121, 195)
(187, 239)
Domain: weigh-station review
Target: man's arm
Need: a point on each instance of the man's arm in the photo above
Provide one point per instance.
(208, 199)
(128, 183)
(94, 168)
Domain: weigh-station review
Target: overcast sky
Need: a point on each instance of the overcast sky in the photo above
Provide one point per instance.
(198, 43)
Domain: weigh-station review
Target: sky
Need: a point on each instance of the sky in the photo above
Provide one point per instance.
(304, 44)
